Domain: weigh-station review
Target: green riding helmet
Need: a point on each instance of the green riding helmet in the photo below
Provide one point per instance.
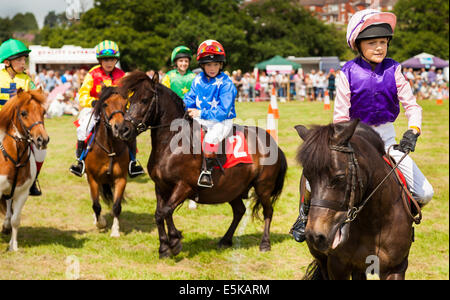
(179, 52)
(12, 49)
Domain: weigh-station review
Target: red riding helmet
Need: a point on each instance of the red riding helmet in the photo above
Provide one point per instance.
(210, 51)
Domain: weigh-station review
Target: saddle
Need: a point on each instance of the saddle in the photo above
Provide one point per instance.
(233, 149)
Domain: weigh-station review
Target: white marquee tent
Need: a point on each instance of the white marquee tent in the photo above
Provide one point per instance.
(66, 57)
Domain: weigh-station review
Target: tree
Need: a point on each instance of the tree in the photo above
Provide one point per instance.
(148, 30)
(24, 22)
(5, 29)
(422, 26)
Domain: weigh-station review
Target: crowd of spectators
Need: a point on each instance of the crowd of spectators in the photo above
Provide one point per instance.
(296, 85)
(62, 89)
(427, 84)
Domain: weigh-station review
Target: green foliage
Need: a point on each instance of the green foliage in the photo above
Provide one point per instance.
(5, 29)
(24, 22)
(422, 26)
(147, 31)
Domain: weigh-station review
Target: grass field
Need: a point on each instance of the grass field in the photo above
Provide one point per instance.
(57, 228)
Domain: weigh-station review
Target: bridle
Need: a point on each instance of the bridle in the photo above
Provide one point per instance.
(356, 180)
(350, 191)
(142, 125)
(27, 140)
(111, 153)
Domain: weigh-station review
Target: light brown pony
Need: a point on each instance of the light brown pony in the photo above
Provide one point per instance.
(21, 125)
(108, 158)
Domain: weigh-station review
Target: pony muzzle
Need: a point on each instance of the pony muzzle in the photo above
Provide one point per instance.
(126, 131)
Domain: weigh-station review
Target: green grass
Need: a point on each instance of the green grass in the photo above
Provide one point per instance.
(60, 223)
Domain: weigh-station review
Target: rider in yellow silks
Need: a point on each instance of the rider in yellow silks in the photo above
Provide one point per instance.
(104, 74)
(13, 53)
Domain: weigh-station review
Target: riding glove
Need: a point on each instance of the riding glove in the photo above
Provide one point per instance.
(408, 142)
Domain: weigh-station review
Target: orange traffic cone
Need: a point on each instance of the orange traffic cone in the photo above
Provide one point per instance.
(273, 115)
(439, 100)
(326, 101)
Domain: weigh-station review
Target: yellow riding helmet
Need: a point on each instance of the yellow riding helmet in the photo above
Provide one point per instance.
(106, 49)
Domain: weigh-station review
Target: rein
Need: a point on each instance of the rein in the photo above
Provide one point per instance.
(352, 209)
(111, 154)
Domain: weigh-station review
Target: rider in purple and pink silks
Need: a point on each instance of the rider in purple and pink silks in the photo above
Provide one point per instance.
(371, 87)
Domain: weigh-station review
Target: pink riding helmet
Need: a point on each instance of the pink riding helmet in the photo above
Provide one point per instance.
(364, 18)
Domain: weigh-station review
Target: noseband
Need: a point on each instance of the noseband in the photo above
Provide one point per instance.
(107, 118)
(29, 128)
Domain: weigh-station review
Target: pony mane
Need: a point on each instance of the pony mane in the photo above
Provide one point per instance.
(137, 83)
(104, 95)
(141, 86)
(20, 99)
(315, 154)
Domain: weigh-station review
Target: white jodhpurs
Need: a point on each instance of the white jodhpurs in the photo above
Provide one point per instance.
(217, 131)
(87, 122)
(419, 186)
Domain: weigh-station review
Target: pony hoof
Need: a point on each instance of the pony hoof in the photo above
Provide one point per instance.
(115, 234)
(165, 254)
(176, 249)
(225, 244)
(264, 247)
(6, 230)
(101, 223)
(13, 248)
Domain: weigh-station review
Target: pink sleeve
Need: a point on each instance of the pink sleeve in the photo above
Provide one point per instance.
(413, 111)
(342, 101)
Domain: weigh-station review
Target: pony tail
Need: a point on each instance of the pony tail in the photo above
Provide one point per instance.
(279, 183)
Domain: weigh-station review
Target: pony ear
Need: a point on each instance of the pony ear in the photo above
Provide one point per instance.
(155, 78)
(302, 131)
(344, 131)
(19, 91)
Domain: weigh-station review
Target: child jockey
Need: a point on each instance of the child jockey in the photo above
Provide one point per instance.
(104, 74)
(13, 54)
(180, 79)
(370, 88)
(211, 102)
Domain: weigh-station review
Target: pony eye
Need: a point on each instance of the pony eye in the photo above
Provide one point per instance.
(24, 113)
(339, 178)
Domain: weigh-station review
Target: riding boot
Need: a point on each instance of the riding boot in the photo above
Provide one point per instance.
(78, 169)
(34, 189)
(134, 168)
(299, 227)
(205, 178)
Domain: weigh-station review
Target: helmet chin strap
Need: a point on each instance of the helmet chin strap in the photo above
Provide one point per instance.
(11, 67)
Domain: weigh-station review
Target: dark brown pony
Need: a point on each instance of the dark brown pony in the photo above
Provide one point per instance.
(21, 125)
(108, 158)
(347, 235)
(175, 173)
